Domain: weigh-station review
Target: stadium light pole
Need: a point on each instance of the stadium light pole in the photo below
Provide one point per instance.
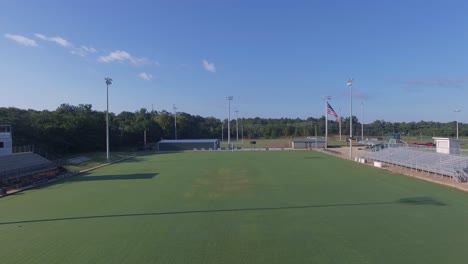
(175, 121)
(362, 122)
(457, 111)
(237, 126)
(326, 120)
(350, 85)
(108, 82)
(229, 99)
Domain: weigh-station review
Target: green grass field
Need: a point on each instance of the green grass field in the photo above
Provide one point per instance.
(236, 207)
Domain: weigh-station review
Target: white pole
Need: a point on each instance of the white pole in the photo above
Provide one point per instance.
(237, 126)
(456, 117)
(222, 131)
(362, 123)
(326, 120)
(340, 124)
(108, 82)
(350, 84)
(242, 132)
(229, 98)
(316, 136)
(107, 124)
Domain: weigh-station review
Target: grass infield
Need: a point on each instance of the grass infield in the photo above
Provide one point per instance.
(236, 207)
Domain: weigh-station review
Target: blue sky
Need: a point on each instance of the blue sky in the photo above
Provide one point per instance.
(409, 59)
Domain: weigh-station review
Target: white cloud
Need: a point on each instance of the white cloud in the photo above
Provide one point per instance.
(83, 51)
(210, 67)
(122, 56)
(22, 40)
(59, 40)
(145, 76)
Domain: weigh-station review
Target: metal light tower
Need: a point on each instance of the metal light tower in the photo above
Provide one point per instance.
(362, 123)
(457, 111)
(326, 120)
(175, 121)
(237, 126)
(108, 82)
(350, 85)
(229, 99)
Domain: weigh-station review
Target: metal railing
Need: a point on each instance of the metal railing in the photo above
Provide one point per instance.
(423, 159)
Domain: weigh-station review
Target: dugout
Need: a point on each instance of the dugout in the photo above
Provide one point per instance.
(187, 144)
(307, 143)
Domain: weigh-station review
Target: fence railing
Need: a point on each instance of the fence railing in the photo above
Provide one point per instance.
(23, 149)
(36, 150)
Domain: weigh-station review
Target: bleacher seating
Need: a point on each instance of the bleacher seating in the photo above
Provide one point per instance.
(22, 164)
(453, 166)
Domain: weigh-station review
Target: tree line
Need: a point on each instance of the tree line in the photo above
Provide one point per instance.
(75, 129)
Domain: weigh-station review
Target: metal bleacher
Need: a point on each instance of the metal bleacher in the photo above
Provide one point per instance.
(23, 164)
(424, 160)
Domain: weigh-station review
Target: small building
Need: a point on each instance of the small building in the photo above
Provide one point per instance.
(447, 145)
(6, 143)
(188, 144)
(308, 143)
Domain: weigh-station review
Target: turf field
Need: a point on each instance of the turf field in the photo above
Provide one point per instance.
(233, 207)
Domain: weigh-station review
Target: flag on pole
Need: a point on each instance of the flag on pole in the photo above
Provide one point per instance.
(332, 112)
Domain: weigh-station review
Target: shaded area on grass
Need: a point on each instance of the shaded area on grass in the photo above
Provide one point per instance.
(87, 177)
(421, 201)
(407, 201)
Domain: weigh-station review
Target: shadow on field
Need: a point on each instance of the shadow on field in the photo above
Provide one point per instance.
(407, 201)
(421, 201)
(141, 176)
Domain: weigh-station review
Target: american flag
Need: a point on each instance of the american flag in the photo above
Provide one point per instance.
(332, 112)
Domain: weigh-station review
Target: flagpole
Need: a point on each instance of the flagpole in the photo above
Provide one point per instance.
(326, 120)
(340, 124)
